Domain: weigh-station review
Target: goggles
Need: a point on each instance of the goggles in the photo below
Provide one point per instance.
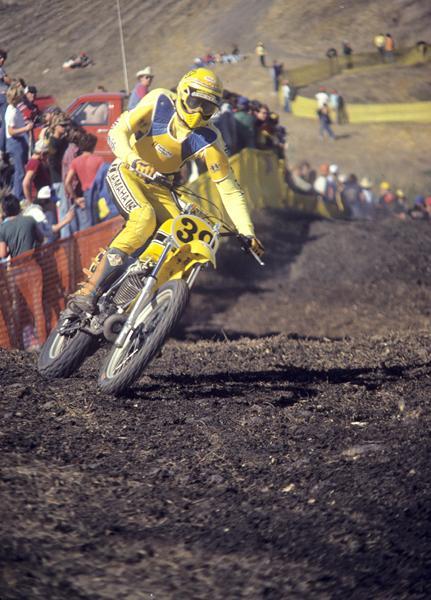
(199, 103)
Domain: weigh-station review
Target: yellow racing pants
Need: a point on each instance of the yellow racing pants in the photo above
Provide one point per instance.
(145, 206)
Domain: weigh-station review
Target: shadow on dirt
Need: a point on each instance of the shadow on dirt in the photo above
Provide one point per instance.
(227, 385)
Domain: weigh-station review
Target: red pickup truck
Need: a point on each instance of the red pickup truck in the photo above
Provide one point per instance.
(95, 113)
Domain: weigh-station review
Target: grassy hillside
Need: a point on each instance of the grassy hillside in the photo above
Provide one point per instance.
(169, 34)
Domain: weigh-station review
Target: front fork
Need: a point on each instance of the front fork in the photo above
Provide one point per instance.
(143, 297)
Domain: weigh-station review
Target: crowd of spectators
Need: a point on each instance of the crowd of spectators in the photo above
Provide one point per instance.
(357, 198)
(48, 165)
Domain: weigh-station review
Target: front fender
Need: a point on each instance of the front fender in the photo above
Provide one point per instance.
(183, 259)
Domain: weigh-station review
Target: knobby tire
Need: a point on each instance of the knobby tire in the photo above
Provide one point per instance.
(125, 365)
(60, 356)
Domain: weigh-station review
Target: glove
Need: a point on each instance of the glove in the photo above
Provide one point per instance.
(257, 246)
(143, 169)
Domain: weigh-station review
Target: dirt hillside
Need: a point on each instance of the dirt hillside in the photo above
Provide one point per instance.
(168, 35)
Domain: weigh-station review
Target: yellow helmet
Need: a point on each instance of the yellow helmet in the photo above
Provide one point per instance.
(199, 94)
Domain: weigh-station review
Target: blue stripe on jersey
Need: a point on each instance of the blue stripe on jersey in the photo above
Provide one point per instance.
(199, 139)
(162, 115)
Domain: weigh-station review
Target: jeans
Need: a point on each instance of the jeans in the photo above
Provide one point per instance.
(17, 147)
(83, 215)
(62, 208)
(326, 128)
(3, 107)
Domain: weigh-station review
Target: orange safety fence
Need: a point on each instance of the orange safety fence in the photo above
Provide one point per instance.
(34, 285)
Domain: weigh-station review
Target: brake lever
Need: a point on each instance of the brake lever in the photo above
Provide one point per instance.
(245, 244)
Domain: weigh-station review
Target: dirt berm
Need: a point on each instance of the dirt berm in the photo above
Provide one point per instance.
(279, 447)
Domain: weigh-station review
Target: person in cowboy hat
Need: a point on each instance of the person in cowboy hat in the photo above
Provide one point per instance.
(141, 89)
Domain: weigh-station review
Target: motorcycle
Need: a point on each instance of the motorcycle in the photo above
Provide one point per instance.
(140, 309)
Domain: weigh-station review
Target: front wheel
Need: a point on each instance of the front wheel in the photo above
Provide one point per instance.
(62, 355)
(124, 365)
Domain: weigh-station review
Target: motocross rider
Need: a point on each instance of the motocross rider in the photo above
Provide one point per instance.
(160, 134)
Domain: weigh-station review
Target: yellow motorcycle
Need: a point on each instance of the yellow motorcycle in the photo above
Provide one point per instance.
(138, 312)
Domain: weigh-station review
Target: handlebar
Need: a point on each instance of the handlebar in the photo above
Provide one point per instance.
(243, 240)
(245, 245)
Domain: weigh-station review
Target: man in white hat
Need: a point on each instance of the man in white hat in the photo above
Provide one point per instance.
(145, 78)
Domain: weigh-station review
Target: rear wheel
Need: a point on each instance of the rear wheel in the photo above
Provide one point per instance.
(62, 355)
(124, 365)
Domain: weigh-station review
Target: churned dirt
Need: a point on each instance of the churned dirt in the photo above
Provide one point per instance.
(279, 447)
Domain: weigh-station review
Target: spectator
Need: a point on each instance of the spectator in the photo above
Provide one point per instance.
(286, 92)
(57, 145)
(72, 151)
(6, 171)
(261, 53)
(418, 210)
(42, 212)
(47, 117)
(379, 43)
(276, 71)
(422, 48)
(101, 203)
(18, 233)
(245, 124)
(141, 89)
(325, 123)
(84, 167)
(36, 172)
(342, 116)
(28, 107)
(348, 54)
(386, 198)
(367, 197)
(279, 135)
(5, 81)
(324, 185)
(399, 206)
(264, 128)
(298, 178)
(389, 48)
(225, 122)
(16, 136)
(322, 97)
(352, 198)
(332, 55)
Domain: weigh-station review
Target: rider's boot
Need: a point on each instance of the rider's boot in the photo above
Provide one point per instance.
(103, 271)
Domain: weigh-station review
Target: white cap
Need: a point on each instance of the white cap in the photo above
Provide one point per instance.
(333, 168)
(44, 193)
(147, 71)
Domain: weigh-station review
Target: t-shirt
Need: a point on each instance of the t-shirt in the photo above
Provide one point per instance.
(41, 174)
(86, 167)
(139, 91)
(36, 212)
(322, 98)
(57, 148)
(20, 234)
(13, 118)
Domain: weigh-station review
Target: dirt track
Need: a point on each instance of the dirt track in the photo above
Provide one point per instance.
(292, 463)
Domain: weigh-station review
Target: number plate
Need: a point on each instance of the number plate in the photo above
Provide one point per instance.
(187, 228)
